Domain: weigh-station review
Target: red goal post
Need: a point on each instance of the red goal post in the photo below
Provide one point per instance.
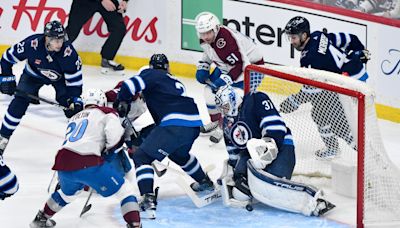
(375, 171)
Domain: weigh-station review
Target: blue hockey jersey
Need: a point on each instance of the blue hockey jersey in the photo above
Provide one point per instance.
(46, 66)
(165, 98)
(334, 53)
(257, 118)
(8, 180)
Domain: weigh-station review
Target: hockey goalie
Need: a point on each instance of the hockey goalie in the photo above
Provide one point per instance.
(261, 157)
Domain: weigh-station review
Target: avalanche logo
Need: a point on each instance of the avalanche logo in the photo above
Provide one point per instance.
(220, 43)
(50, 74)
(240, 134)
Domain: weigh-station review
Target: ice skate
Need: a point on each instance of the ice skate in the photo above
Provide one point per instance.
(149, 205)
(323, 206)
(109, 67)
(204, 185)
(134, 225)
(327, 154)
(3, 144)
(41, 221)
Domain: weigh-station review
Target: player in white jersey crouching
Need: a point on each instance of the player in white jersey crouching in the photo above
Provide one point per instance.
(261, 157)
(92, 133)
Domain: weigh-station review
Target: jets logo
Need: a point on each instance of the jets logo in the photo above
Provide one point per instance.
(240, 134)
(50, 74)
(34, 43)
(220, 43)
(67, 51)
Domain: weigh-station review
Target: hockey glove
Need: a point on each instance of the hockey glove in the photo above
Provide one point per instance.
(363, 55)
(75, 105)
(262, 151)
(7, 84)
(203, 72)
(223, 80)
(122, 107)
(288, 105)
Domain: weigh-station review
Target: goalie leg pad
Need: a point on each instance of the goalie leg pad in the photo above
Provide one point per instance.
(282, 193)
(228, 191)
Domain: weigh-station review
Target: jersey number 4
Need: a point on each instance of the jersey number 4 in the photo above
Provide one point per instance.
(75, 132)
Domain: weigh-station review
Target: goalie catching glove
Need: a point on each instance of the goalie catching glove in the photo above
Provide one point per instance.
(262, 151)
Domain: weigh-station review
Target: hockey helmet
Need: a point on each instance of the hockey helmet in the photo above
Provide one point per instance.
(207, 21)
(95, 97)
(54, 29)
(297, 25)
(228, 100)
(159, 61)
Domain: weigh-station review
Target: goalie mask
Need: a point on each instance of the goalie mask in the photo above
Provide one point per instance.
(94, 97)
(228, 100)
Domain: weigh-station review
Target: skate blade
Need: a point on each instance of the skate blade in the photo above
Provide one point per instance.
(148, 214)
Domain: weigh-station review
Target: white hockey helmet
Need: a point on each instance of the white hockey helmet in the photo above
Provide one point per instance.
(228, 100)
(205, 22)
(94, 97)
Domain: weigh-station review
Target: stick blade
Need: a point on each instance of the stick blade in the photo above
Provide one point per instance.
(85, 209)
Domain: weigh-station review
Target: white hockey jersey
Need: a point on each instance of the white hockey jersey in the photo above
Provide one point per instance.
(89, 133)
(231, 52)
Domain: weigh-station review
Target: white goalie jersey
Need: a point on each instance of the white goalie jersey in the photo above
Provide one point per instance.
(231, 52)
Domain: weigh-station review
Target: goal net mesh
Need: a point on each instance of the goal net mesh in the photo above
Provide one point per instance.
(332, 118)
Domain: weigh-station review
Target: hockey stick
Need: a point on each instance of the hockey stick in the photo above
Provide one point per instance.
(199, 201)
(87, 207)
(25, 94)
(159, 173)
(51, 181)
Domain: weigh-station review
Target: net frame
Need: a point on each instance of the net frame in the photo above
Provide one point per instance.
(341, 85)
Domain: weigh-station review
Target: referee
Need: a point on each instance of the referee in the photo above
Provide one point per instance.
(112, 13)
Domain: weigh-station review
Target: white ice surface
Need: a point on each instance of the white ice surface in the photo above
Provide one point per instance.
(33, 146)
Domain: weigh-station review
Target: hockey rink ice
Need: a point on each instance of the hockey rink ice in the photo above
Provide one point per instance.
(32, 148)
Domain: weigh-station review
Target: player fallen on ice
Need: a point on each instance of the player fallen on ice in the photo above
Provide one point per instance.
(261, 156)
(92, 134)
(177, 125)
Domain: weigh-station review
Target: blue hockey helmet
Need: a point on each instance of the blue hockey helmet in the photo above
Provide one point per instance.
(54, 29)
(159, 61)
(297, 25)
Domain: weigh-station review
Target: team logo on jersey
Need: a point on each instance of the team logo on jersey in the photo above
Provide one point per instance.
(34, 43)
(49, 58)
(67, 51)
(240, 134)
(220, 43)
(50, 74)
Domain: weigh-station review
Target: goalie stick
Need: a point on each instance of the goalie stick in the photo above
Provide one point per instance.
(198, 200)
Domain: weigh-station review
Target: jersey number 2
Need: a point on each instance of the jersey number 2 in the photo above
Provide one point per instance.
(75, 132)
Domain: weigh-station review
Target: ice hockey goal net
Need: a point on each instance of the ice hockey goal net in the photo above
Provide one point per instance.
(323, 100)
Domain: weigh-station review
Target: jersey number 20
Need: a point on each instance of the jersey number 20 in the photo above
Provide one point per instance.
(75, 132)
